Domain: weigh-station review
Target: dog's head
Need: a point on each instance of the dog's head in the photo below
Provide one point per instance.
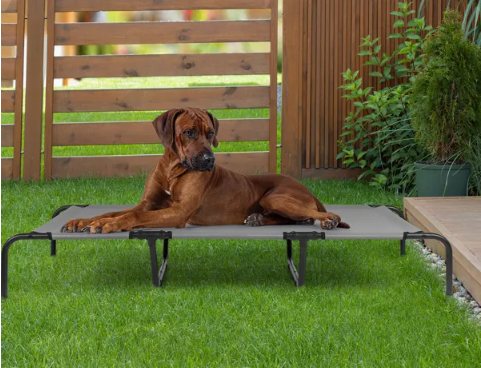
(189, 133)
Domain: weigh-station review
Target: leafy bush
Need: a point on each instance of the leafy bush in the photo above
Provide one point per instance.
(446, 99)
(377, 134)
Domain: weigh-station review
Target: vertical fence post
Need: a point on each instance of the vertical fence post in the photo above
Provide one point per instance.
(291, 89)
(34, 90)
(273, 90)
(47, 156)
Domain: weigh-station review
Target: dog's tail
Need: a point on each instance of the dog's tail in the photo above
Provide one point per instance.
(321, 208)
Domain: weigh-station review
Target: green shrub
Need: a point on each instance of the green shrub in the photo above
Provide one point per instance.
(445, 104)
(377, 134)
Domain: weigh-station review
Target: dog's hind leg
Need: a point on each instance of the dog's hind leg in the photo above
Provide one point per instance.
(303, 208)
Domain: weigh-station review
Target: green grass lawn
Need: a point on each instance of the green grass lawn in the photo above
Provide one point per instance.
(225, 303)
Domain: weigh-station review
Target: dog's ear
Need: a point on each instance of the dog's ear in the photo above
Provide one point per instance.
(165, 126)
(215, 143)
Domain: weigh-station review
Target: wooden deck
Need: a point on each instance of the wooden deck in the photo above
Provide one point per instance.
(459, 220)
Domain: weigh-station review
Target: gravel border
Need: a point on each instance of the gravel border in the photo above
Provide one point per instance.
(462, 296)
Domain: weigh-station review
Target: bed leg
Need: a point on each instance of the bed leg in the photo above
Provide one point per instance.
(403, 247)
(163, 265)
(298, 276)
(153, 261)
(5, 249)
(302, 262)
(53, 247)
(449, 254)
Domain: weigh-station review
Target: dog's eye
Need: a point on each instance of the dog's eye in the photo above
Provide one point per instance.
(210, 134)
(189, 133)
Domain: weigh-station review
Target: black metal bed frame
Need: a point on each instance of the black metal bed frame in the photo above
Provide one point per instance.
(158, 273)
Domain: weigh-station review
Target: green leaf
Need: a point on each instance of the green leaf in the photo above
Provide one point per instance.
(395, 35)
(359, 104)
(413, 36)
(365, 52)
(398, 13)
(366, 90)
(376, 74)
(398, 23)
(377, 49)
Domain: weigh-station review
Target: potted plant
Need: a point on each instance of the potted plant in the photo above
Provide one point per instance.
(445, 107)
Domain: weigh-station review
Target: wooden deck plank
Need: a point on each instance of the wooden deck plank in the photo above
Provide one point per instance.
(458, 219)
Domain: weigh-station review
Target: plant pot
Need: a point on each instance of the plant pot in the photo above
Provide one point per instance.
(447, 180)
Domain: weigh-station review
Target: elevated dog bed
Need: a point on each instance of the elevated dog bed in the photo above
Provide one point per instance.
(367, 222)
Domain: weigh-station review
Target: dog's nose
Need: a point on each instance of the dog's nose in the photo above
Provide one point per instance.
(208, 158)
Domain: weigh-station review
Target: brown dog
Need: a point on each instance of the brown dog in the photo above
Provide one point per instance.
(186, 187)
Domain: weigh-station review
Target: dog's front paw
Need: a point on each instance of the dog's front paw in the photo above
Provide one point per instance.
(102, 226)
(75, 225)
(254, 219)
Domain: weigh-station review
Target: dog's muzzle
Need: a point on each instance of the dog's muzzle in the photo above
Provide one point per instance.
(203, 162)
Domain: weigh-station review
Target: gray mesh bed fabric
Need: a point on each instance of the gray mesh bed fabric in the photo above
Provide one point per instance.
(366, 223)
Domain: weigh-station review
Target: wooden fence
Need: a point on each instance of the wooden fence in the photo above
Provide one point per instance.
(94, 133)
(37, 141)
(12, 100)
(321, 40)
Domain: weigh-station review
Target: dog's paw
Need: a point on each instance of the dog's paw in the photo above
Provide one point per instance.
(102, 226)
(330, 222)
(254, 220)
(75, 225)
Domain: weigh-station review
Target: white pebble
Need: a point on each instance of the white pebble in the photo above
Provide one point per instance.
(474, 304)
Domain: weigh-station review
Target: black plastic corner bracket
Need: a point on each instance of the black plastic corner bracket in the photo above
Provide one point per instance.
(421, 235)
(147, 234)
(6, 247)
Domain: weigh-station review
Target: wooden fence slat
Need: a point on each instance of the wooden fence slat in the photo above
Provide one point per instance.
(7, 135)
(161, 32)
(8, 101)
(273, 91)
(9, 6)
(34, 91)
(160, 65)
(142, 132)
(8, 68)
(161, 99)
(19, 69)
(7, 168)
(126, 5)
(124, 166)
(9, 34)
(291, 156)
(47, 157)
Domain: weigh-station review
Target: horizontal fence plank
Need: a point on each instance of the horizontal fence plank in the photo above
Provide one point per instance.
(8, 101)
(161, 32)
(142, 132)
(9, 6)
(7, 135)
(160, 65)
(8, 68)
(160, 99)
(9, 34)
(7, 168)
(125, 166)
(124, 5)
